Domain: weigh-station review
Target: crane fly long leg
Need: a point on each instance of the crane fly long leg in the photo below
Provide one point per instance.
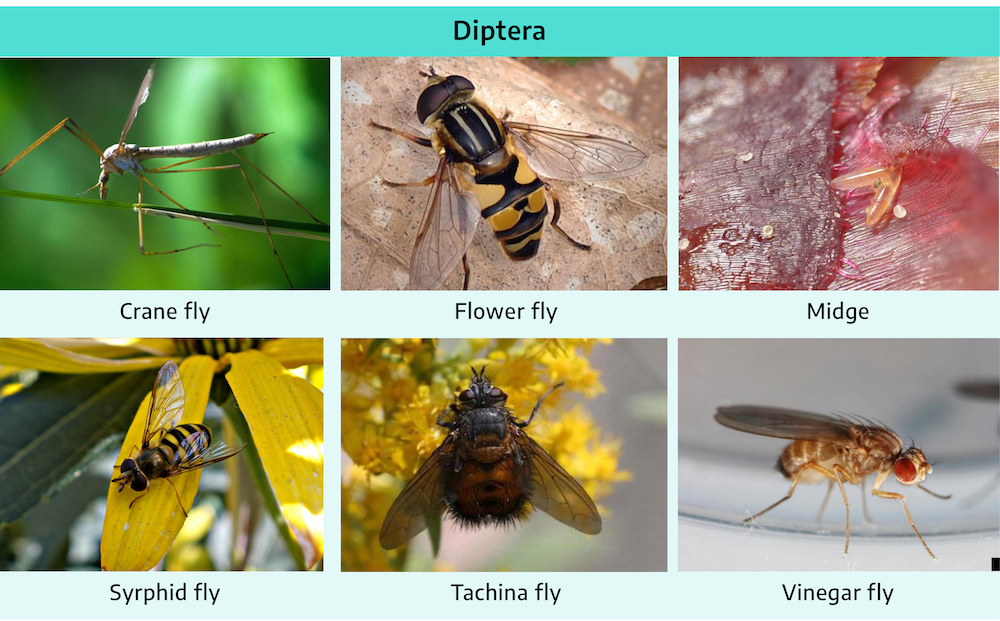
(69, 125)
(899, 497)
(172, 168)
(266, 227)
(280, 189)
(142, 243)
(167, 196)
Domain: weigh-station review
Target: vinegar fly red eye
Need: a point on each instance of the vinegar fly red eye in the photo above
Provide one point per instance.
(905, 470)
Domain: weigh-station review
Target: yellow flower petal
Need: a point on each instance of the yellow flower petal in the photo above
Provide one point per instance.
(34, 354)
(285, 416)
(293, 353)
(136, 538)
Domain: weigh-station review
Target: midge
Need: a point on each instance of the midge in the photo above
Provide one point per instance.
(834, 449)
(168, 449)
(121, 158)
(484, 172)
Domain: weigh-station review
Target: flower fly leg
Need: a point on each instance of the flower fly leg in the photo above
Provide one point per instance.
(556, 211)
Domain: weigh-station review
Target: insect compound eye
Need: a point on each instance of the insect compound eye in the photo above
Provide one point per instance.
(466, 395)
(127, 465)
(906, 470)
(139, 483)
(433, 97)
(496, 392)
(461, 83)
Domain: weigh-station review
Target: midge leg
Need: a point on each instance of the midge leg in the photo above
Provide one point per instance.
(556, 211)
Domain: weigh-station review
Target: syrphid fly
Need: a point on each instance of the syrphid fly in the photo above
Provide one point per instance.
(168, 449)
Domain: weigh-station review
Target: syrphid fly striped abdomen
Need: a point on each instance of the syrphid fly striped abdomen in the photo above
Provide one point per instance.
(169, 449)
(484, 171)
(179, 444)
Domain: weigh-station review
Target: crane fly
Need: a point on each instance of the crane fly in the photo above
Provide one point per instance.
(121, 157)
(834, 449)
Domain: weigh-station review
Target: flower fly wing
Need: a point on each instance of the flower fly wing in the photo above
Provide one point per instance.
(166, 403)
(571, 155)
(783, 423)
(556, 492)
(422, 498)
(447, 229)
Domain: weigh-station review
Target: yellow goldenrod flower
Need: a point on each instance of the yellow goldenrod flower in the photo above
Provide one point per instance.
(393, 392)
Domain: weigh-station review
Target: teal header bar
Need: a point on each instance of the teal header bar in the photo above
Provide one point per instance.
(569, 31)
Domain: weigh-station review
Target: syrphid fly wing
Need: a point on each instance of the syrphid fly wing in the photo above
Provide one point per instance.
(166, 403)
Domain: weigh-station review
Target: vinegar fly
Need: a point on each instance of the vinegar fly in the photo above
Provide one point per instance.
(834, 449)
(488, 471)
(169, 449)
(484, 171)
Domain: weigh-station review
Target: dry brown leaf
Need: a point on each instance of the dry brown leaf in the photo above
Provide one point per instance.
(624, 219)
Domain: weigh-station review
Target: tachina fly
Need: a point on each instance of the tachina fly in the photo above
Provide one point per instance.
(488, 471)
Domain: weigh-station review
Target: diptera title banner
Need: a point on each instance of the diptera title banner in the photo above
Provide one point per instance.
(568, 31)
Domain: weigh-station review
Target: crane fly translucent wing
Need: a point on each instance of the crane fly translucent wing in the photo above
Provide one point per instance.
(569, 155)
(140, 98)
(556, 492)
(197, 453)
(447, 229)
(423, 497)
(166, 403)
(782, 423)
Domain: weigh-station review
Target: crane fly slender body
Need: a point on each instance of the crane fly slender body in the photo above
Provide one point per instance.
(120, 158)
(834, 449)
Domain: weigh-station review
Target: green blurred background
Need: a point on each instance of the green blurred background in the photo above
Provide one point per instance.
(47, 245)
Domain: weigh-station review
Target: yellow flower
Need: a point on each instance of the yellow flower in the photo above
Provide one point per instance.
(395, 390)
(281, 415)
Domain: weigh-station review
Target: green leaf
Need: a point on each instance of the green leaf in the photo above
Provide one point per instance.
(51, 427)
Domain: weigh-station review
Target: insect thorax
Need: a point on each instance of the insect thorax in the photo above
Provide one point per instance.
(471, 133)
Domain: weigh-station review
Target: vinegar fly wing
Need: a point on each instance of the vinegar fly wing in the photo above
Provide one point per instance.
(447, 229)
(570, 156)
(783, 423)
(556, 492)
